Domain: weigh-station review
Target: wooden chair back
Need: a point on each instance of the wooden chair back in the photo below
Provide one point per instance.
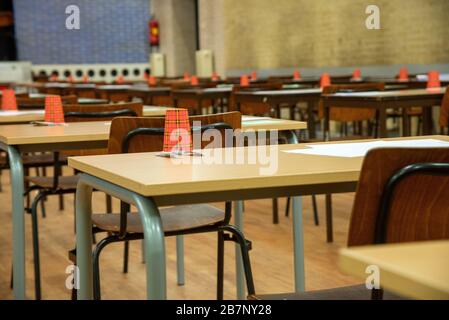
(350, 114)
(444, 112)
(106, 112)
(101, 112)
(419, 202)
(122, 126)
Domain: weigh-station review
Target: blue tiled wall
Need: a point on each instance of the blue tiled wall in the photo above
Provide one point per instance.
(111, 31)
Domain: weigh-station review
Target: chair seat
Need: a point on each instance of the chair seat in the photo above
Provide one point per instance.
(64, 182)
(414, 111)
(178, 218)
(35, 160)
(357, 292)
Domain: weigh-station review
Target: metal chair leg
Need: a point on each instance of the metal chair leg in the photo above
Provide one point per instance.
(244, 249)
(377, 294)
(329, 227)
(220, 265)
(61, 202)
(35, 234)
(108, 204)
(11, 283)
(275, 211)
(287, 207)
(125, 256)
(315, 210)
(96, 264)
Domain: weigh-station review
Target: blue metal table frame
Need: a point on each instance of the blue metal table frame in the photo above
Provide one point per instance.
(154, 236)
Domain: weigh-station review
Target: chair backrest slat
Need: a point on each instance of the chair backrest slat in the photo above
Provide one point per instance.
(101, 112)
(145, 134)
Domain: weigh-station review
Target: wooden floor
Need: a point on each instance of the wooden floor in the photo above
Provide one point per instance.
(272, 257)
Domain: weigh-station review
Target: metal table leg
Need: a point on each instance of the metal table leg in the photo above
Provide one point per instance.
(180, 260)
(153, 235)
(18, 222)
(298, 232)
(240, 274)
(298, 243)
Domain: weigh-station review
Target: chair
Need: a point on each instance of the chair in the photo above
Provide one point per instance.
(402, 196)
(146, 135)
(354, 115)
(58, 184)
(34, 160)
(444, 113)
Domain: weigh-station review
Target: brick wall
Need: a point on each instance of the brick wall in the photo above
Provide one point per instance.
(267, 34)
(111, 31)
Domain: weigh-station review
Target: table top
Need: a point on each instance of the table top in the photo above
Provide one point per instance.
(391, 94)
(149, 89)
(266, 123)
(417, 270)
(284, 92)
(29, 134)
(21, 116)
(112, 87)
(156, 111)
(151, 175)
(200, 91)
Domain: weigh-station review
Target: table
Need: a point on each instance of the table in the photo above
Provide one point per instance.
(147, 94)
(274, 98)
(383, 100)
(114, 92)
(416, 270)
(127, 177)
(201, 94)
(16, 139)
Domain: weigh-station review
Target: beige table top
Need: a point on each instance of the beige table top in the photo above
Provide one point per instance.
(389, 93)
(152, 175)
(38, 115)
(21, 116)
(417, 270)
(155, 111)
(22, 134)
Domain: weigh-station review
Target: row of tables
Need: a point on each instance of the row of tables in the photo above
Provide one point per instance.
(395, 96)
(19, 138)
(124, 176)
(381, 101)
